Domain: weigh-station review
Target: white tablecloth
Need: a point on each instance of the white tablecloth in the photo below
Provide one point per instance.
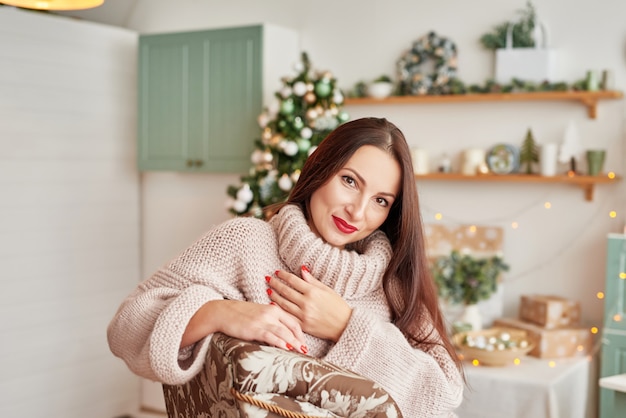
(566, 388)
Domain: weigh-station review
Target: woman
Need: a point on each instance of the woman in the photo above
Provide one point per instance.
(339, 272)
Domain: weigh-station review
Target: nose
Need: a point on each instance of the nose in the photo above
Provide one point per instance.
(356, 208)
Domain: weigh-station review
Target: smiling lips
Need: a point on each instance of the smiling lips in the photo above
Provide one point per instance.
(343, 226)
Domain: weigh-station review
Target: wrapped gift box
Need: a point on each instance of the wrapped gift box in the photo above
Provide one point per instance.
(550, 311)
(552, 343)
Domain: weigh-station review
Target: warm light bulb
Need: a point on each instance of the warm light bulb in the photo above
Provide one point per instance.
(617, 318)
(472, 229)
(514, 225)
(580, 347)
(622, 275)
(517, 362)
(552, 364)
(612, 214)
(600, 295)
(594, 330)
(475, 362)
(611, 175)
(54, 4)
(547, 205)
(438, 216)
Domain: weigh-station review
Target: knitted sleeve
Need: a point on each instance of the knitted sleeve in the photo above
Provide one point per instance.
(424, 381)
(147, 329)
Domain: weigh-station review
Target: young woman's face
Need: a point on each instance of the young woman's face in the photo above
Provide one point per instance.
(357, 199)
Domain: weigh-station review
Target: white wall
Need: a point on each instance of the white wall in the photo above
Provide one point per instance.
(69, 214)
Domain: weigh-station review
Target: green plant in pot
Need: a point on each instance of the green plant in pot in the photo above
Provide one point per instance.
(463, 279)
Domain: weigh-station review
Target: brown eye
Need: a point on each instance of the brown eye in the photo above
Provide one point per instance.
(348, 180)
(382, 202)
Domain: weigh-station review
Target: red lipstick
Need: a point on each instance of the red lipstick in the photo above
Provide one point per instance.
(343, 226)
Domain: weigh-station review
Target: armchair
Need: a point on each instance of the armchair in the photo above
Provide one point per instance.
(247, 379)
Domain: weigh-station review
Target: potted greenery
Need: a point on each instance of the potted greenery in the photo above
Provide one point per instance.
(463, 279)
(381, 87)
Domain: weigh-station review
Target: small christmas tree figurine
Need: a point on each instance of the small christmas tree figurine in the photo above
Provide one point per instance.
(529, 153)
(307, 108)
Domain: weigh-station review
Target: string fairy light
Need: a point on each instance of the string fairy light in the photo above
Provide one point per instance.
(549, 258)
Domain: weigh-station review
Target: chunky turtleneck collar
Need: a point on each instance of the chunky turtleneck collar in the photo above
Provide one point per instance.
(352, 273)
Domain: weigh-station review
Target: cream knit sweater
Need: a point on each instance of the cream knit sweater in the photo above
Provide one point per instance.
(231, 261)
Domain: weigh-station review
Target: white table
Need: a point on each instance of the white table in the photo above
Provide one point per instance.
(617, 382)
(618, 400)
(566, 388)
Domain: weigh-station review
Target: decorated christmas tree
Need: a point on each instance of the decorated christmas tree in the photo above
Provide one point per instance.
(305, 110)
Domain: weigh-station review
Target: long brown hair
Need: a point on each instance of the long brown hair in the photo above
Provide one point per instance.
(417, 300)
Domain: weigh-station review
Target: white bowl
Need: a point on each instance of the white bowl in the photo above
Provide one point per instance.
(380, 90)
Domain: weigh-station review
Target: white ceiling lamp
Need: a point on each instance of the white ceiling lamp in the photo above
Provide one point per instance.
(54, 4)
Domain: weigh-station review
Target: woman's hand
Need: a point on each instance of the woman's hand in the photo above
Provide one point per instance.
(321, 311)
(247, 321)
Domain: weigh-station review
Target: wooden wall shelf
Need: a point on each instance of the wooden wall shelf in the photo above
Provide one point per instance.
(588, 98)
(586, 182)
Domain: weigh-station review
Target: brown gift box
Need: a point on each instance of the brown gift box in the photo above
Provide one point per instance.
(550, 311)
(552, 343)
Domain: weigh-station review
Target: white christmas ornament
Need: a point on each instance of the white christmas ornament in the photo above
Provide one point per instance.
(306, 133)
(240, 206)
(256, 157)
(338, 97)
(285, 92)
(285, 183)
(290, 148)
(299, 88)
(244, 194)
(312, 114)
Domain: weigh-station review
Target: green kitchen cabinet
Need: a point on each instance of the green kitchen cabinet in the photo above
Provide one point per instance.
(200, 93)
(613, 358)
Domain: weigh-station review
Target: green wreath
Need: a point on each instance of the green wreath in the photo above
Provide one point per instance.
(410, 66)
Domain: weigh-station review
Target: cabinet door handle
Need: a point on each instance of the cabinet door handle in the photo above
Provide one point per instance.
(199, 163)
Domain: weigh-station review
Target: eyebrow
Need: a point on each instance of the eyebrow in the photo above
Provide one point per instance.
(362, 180)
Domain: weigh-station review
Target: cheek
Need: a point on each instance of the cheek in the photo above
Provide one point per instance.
(378, 219)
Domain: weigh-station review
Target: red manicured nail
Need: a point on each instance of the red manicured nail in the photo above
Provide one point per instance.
(272, 303)
(304, 349)
(305, 268)
(276, 272)
(269, 292)
(289, 347)
(268, 278)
